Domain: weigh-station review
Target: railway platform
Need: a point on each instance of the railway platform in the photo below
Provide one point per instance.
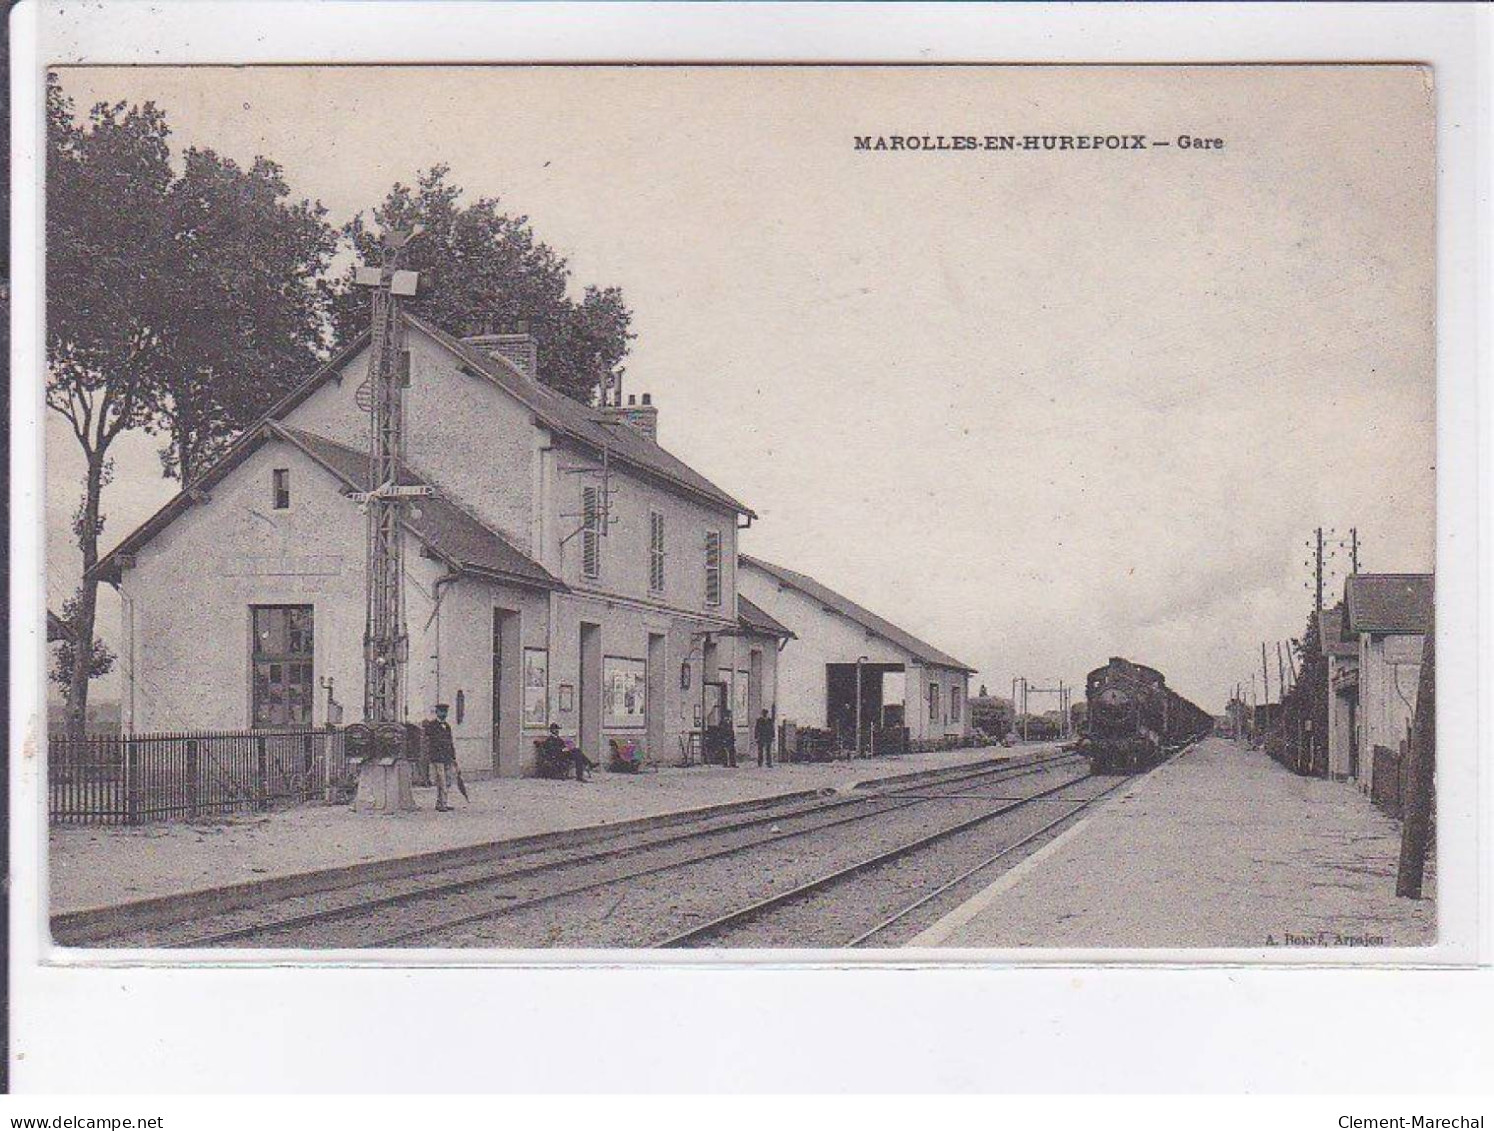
(93, 868)
(1221, 847)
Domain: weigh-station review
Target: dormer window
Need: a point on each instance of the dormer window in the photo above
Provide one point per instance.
(280, 489)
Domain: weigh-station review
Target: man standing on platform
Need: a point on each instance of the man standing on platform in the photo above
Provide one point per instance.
(442, 751)
(762, 731)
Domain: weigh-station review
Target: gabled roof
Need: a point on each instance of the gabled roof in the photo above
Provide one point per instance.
(844, 606)
(1389, 603)
(1331, 639)
(581, 423)
(753, 618)
(444, 528)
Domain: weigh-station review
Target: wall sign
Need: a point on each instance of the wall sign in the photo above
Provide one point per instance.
(622, 692)
(536, 687)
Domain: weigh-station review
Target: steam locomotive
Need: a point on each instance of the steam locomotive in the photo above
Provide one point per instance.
(1134, 718)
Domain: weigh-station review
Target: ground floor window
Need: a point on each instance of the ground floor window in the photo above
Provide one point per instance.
(281, 665)
(933, 702)
(954, 703)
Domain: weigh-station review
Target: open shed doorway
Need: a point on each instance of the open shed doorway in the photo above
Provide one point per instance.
(881, 700)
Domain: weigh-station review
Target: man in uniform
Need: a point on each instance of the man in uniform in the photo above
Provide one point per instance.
(762, 731)
(442, 751)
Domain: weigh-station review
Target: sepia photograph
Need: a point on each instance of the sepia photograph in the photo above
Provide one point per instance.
(880, 509)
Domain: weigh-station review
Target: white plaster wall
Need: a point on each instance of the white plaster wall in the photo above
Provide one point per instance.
(462, 431)
(186, 601)
(1389, 674)
(624, 553)
(823, 638)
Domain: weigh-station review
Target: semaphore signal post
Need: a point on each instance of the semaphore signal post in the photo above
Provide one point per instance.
(379, 742)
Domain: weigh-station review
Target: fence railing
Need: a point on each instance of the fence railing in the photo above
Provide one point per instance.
(135, 779)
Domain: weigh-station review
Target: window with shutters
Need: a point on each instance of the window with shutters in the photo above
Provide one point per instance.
(713, 567)
(281, 665)
(933, 702)
(954, 703)
(655, 551)
(591, 532)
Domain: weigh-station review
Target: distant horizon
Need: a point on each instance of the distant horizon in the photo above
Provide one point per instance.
(1036, 409)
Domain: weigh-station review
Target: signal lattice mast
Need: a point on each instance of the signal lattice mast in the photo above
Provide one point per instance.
(378, 745)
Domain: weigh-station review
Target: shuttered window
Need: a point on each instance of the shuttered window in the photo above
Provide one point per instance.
(954, 703)
(933, 702)
(591, 541)
(656, 551)
(713, 567)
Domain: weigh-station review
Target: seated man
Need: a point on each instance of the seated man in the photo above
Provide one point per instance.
(557, 750)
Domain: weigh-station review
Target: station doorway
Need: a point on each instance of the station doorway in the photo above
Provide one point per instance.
(883, 692)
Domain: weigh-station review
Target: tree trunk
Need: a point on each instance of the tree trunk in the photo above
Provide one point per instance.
(88, 591)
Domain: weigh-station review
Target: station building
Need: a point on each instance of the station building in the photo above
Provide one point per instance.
(565, 569)
(903, 680)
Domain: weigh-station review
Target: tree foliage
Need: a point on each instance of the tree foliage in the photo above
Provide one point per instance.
(484, 270)
(178, 303)
(64, 658)
(249, 309)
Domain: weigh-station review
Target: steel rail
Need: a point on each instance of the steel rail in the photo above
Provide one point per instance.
(614, 849)
(755, 910)
(657, 869)
(1078, 808)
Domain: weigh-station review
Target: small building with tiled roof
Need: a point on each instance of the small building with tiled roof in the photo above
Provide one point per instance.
(1387, 617)
(841, 646)
(565, 569)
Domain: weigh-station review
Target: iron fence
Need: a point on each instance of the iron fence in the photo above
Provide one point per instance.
(139, 778)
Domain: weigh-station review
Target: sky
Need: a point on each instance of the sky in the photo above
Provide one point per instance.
(1039, 408)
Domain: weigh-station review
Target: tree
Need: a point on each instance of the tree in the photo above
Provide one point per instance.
(100, 659)
(485, 270)
(106, 187)
(249, 304)
(183, 305)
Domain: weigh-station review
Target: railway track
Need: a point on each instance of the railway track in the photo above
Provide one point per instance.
(405, 912)
(744, 927)
(799, 916)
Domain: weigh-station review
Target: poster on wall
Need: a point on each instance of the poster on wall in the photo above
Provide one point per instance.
(739, 699)
(622, 692)
(536, 687)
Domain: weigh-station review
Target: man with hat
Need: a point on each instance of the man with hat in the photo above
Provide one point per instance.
(442, 752)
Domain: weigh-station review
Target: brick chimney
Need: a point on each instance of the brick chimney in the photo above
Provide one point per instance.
(519, 350)
(642, 416)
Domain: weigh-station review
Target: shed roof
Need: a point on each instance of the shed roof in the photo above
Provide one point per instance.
(1389, 603)
(844, 606)
(753, 617)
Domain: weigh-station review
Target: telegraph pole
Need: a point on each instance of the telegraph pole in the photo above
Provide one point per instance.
(1354, 549)
(1318, 599)
(378, 745)
(1265, 678)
